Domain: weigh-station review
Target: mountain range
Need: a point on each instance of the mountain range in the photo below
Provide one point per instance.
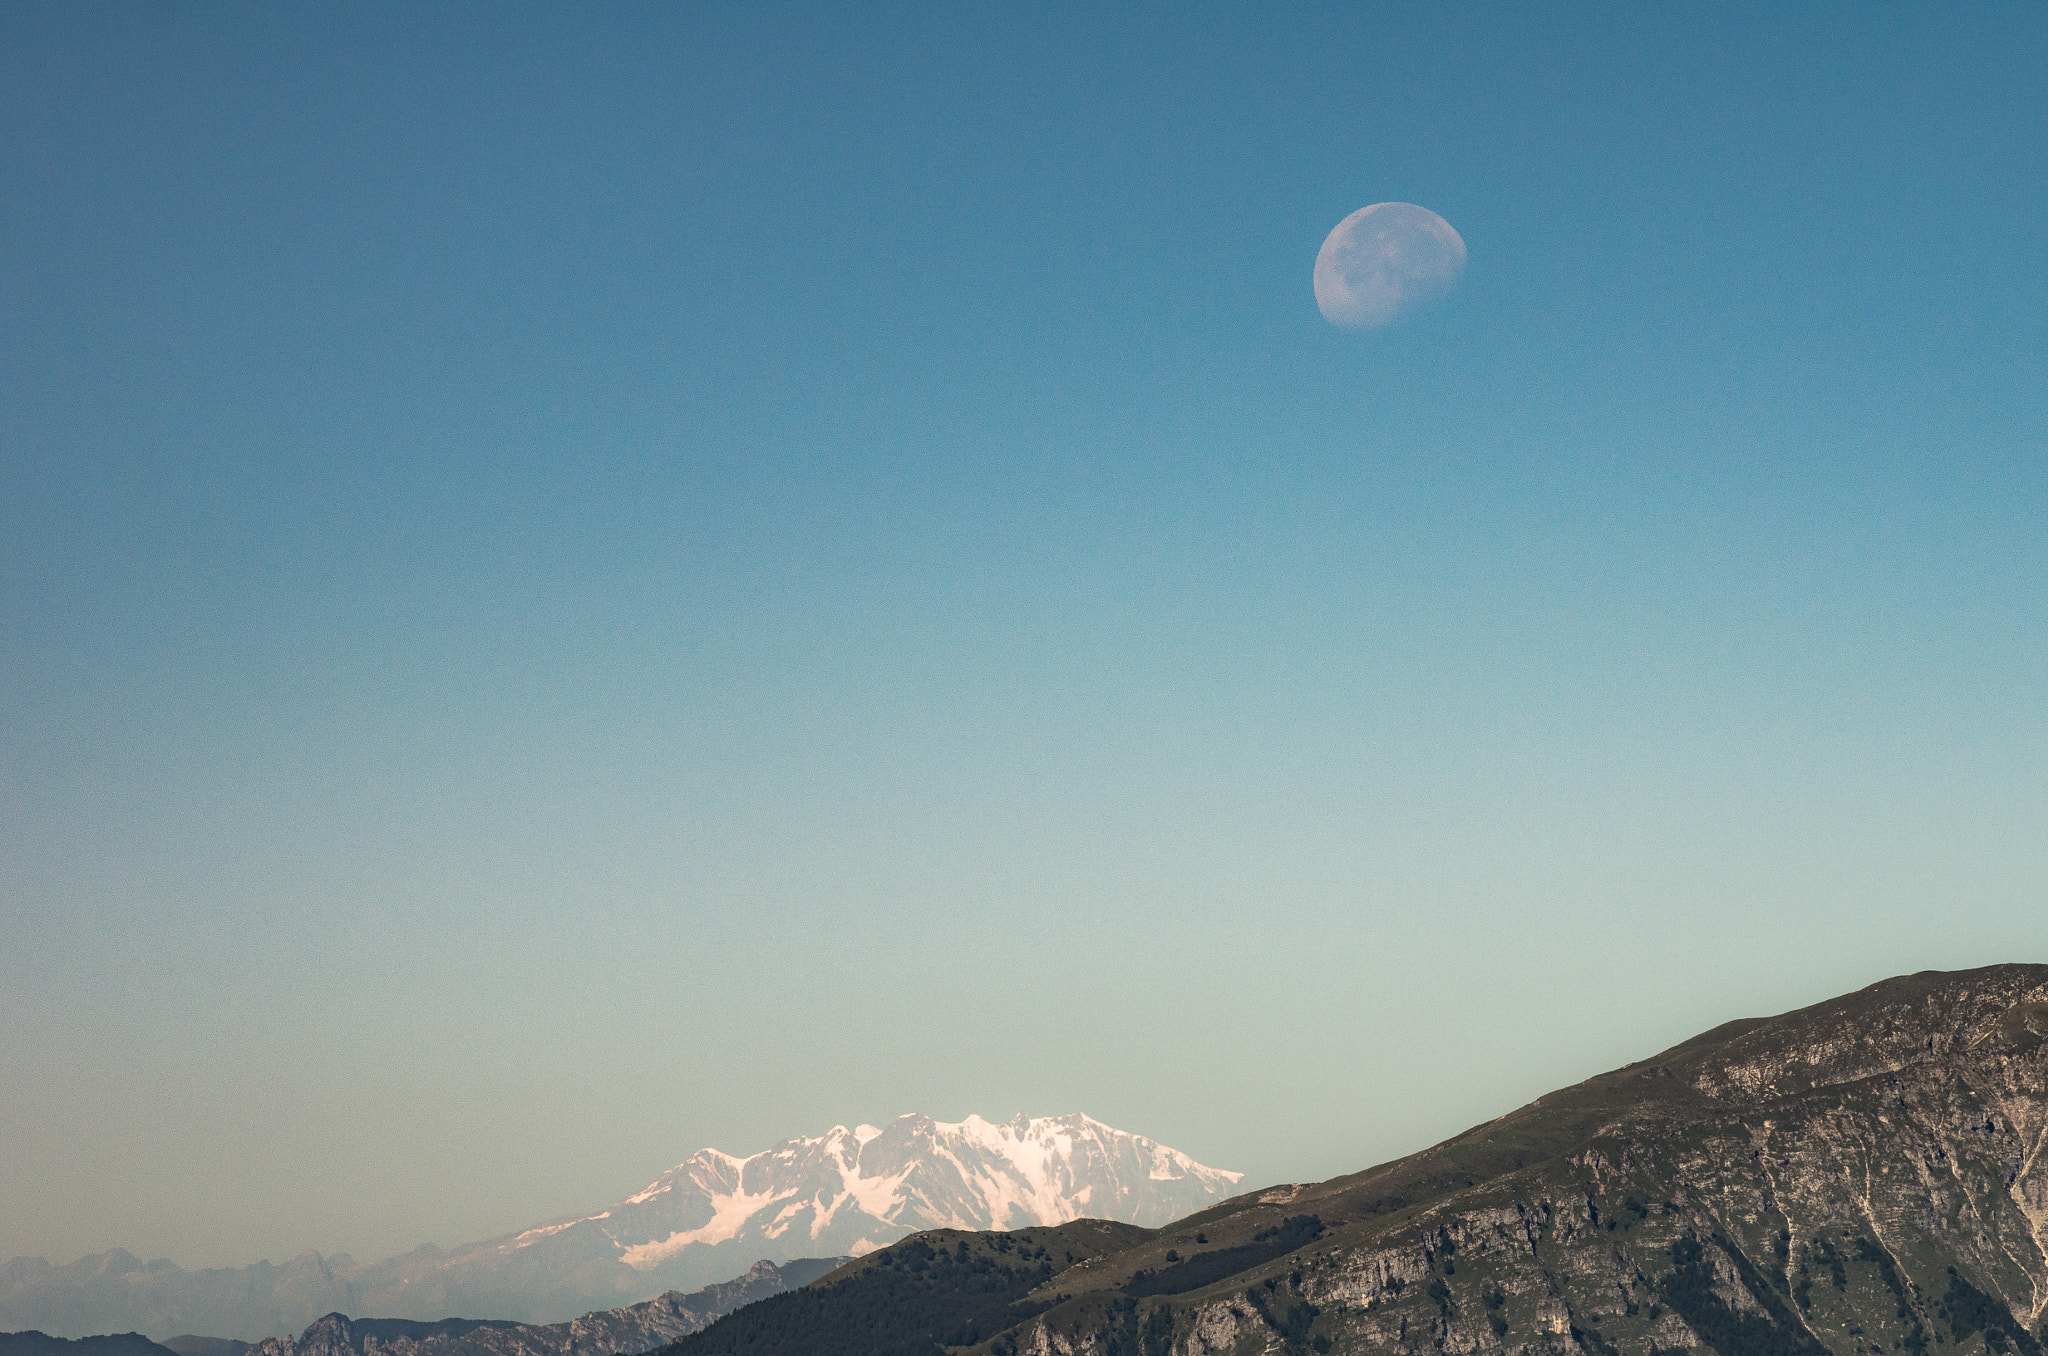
(614, 1332)
(846, 1192)
(1863, 1176)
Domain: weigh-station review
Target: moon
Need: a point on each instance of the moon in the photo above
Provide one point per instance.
(1384, 262)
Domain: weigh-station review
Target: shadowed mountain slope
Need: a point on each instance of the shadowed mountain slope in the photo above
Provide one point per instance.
(941, 1289)
(1862, 1176)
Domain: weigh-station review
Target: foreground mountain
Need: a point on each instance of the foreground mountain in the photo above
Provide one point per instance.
(843, 1193)
(1858, 1177)
(612, 1332)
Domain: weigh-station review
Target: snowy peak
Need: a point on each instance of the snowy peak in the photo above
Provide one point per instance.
(853, 1190)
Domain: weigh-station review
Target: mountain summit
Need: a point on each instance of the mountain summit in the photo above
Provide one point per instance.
(846, 1192)
(1865, 1176)
(843, 1193)
(850, 1191)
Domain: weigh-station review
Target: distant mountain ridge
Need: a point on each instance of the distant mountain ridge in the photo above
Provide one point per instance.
(34, 1343)
(624, 1331)
(846, 1192)
(192, 1344)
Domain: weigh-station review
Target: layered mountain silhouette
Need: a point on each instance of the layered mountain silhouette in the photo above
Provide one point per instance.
(1863, 1176)
(34, 1343)
(613, 1332)
(707, 1220)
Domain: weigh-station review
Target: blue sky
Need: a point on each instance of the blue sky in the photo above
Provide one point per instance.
(581, 582)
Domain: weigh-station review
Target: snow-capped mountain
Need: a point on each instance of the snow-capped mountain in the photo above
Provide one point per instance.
(704, 1221)
(851, 1191)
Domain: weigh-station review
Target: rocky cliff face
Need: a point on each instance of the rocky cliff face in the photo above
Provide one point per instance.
(1864, 1176)
(846, 1192)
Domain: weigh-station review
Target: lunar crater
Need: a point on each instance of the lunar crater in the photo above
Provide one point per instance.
(1385, 262)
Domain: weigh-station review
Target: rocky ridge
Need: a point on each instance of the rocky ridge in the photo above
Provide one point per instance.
(1863, 1176)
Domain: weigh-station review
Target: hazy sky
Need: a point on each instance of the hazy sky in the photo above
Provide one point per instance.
(583, 581)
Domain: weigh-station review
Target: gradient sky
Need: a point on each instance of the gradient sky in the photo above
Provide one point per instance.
(578, 582)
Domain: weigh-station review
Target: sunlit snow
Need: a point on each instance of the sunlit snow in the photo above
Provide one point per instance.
(913, 1174)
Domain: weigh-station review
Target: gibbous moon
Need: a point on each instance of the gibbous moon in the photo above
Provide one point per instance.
(1385, 261)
